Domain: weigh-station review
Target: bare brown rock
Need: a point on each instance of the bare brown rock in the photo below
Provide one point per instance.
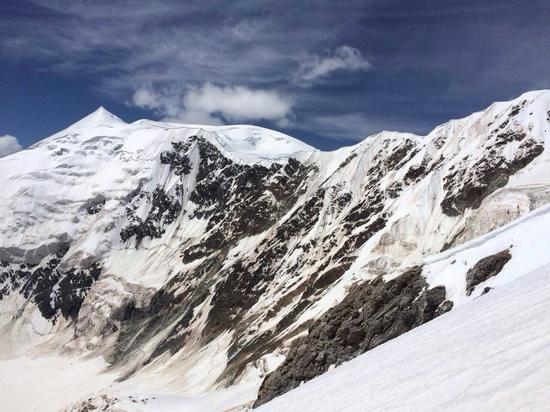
(486, 268)
(371, 314)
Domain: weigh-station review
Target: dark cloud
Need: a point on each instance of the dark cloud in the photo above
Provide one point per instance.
(338, 69)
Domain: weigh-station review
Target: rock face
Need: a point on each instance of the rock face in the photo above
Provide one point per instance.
(180, 246)
(486, 268)
(163, 211)
(467, 187)
(55, 290)
(372, 313)
(491, 166)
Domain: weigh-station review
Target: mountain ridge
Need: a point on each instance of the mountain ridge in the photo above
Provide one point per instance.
(180, 249)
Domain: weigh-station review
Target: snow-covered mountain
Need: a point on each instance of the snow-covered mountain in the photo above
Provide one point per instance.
(197, 258)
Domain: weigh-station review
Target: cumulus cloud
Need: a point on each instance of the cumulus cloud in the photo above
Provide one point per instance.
(345, 58)
(147, 99)
(237, 103)
(8, 145)
(213, 104)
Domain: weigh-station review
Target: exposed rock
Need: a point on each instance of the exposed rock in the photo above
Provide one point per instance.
(372, 313)
(163, 211)
(33, 256)
(242, 246)
(94, 206)
(239, 200)
(139, 324)
(394, 190)
(348, 160)
(472, 181)
(486, 268)
(177, 159)
(53, 289)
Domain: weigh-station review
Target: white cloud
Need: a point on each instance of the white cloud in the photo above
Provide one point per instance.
(344, 58)
(146, 98)
(237, 103)
(8, 145)
(167, 48)
(212, 104)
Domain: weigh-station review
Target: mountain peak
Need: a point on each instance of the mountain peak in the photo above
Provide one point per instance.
(99, 117)
(219, 250)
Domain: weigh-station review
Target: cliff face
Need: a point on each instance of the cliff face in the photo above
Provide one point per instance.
(372, 313)
(156, 244)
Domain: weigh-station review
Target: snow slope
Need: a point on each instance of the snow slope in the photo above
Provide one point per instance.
(101, 154)
(492, 354)
(49, 383)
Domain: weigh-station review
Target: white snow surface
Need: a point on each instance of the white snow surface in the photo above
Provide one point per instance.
(48, 383)
(490, 355)
(47, 186)
(45, 190)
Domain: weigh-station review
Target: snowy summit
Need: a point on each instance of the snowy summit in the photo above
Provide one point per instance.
(164, 266)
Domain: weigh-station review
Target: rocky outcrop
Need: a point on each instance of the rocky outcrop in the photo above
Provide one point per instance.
(177, 159)
(162, 212)
(239, 200)
(94, 205)
(486, 268)
(475, 177)
(54, 288)
(372, 313)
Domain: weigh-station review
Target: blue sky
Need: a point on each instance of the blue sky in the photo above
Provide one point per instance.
(327, 72)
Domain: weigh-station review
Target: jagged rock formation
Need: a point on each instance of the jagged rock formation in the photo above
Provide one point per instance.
(371, 313)
(179, 246)
(486, 268)
(55, 290)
